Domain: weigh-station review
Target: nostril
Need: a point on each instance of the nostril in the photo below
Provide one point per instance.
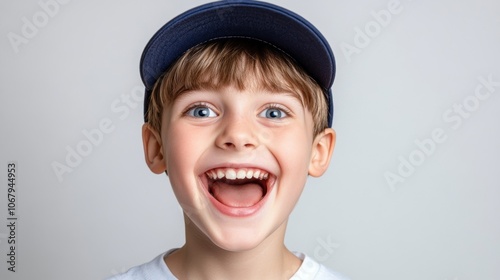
(236, 137)
(229, 145)
(232, 145)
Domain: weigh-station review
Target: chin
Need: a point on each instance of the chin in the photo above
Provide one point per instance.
(245, 237)
(238, 243)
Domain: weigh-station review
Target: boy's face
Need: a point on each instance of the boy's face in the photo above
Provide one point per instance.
(237, 160)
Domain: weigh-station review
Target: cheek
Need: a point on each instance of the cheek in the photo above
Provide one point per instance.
(182, 151)
(291, 147)
(292, 150)
(185, 145)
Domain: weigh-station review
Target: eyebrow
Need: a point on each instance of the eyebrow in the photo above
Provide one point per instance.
(295, 95)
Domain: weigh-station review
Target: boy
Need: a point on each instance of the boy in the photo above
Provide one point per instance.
(238, 110)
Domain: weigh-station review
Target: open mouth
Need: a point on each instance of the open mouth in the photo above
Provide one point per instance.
(238, 187)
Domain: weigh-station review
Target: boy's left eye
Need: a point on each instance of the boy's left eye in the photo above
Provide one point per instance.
(273, 113)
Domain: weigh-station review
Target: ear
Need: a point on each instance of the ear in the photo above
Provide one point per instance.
(322, 152)
(153, 151)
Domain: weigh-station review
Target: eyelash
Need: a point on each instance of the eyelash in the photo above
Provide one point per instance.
(197, 105)
(279, 107)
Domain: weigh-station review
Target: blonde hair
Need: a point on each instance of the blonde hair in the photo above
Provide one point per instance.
(237, 62)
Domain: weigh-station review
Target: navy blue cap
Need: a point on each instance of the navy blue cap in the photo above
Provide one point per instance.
(258, 20)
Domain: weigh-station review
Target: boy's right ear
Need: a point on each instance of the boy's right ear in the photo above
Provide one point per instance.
(153, 151)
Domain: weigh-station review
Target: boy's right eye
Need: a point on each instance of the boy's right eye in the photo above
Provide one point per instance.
(201, 111)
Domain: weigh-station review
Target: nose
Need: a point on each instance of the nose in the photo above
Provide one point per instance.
(237, 133)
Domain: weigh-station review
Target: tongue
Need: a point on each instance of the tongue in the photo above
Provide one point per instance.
(244, 195)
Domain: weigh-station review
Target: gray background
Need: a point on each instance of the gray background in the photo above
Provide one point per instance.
(110, 213)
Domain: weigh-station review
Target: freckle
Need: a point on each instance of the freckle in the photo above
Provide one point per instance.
(265, 136)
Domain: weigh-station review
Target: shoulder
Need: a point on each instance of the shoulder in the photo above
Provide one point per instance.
(155, 269)
(312, 270)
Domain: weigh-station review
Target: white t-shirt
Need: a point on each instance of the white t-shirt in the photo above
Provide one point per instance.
(158, 270)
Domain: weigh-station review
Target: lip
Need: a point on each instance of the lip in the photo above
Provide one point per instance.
(239, 212)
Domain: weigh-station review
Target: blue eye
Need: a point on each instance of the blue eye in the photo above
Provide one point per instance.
(201, 112)
(273, 113)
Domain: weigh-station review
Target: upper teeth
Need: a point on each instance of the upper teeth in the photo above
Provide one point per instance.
(233, 174)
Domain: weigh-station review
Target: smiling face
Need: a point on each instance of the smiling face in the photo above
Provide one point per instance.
(238, 160)
(237, 155)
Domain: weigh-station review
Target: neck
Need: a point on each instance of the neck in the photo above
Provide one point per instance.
(200, 258)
